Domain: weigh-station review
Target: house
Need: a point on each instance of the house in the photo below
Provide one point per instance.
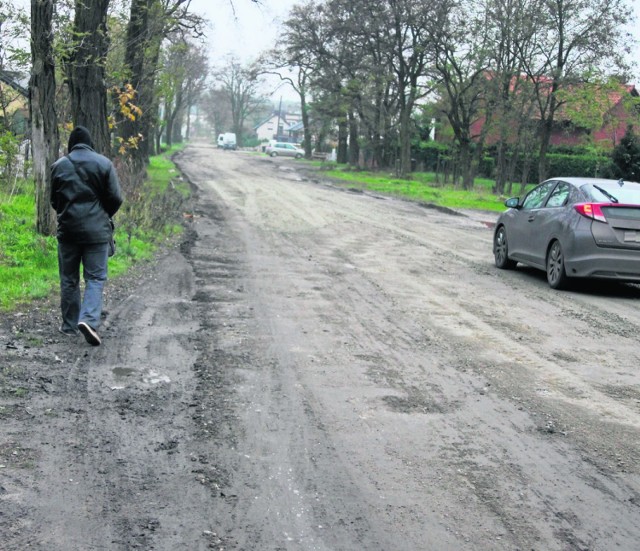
(14, 107)
(296, 132)
(276, 126)
(611, 109)
(588, 115)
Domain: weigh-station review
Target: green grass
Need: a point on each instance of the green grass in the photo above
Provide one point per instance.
(29, 262)
(423, 187)
(161, 171)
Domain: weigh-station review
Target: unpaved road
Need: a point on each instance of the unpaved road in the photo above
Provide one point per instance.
(321, 369)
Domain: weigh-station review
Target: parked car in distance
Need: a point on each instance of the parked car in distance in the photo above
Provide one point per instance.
(284, 149)
(573, 228)
(227, 141)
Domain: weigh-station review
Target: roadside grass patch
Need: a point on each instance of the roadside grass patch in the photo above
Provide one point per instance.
(162, 174)
(28, 261)
(423, 187)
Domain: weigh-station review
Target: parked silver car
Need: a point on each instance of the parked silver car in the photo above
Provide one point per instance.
(284, 150)
(573, 227)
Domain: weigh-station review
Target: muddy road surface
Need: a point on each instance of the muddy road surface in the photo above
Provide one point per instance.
(316, 368)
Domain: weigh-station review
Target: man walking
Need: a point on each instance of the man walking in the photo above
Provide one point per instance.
(85, 193)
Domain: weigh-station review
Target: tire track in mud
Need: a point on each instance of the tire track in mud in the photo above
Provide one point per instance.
(280, 488)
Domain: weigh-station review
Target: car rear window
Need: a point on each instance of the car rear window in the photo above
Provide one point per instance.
(628, 193)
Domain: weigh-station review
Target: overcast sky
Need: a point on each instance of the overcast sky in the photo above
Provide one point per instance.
(246, 30)
(254, 27)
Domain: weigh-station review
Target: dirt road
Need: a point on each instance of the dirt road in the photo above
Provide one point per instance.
(323, 369)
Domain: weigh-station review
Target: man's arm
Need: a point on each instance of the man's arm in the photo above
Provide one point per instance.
(53, 191)
(113, 194)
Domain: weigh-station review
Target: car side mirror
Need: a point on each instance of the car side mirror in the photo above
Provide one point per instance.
(512, 203)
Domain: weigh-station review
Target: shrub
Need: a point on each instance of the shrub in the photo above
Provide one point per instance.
(9, 148)
(431, 154)
(576, 165)
(625, 160)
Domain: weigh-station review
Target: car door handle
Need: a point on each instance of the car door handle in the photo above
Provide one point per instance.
(531, 218)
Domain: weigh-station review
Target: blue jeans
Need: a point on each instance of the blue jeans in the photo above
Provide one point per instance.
(94, 270)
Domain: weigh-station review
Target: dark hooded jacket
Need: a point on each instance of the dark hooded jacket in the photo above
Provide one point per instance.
(85, 193)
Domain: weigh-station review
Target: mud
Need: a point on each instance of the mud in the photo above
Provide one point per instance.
(313, 368)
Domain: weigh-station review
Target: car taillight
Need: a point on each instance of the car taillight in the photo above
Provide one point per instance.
(591, 210)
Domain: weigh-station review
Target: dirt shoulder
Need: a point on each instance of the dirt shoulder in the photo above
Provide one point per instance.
(315, 368)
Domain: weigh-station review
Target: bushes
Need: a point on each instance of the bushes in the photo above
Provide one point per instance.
(9, 149)
(625, 162)
(563, 162)
(575, 165)
(431, 155)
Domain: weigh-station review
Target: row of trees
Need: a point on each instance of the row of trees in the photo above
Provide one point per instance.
(370, 65)
(379, 72)
(127, 70)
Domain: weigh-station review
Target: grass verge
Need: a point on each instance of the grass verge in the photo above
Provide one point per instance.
(424, 187)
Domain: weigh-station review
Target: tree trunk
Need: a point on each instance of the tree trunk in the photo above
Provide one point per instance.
(405, 140)
(169, 114)
(87, 72)
(465, 164)
(178, 123)
(141, 59)
(501, 168)
(44, 120)
(354, 145)
(188, 129)
(342, 140)
(305, 123)
(545, 138)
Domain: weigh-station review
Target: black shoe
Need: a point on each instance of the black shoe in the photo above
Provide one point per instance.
(89, 333)
(68, 332)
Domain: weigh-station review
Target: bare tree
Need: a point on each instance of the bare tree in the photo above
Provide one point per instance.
(184, 71)
(239, 86)
(318, 43)
(216, 109)
(509, 103)
(461, 62)
(195, 82)
(573, 37)
(411, 27)
(370, 59)
(295, 71)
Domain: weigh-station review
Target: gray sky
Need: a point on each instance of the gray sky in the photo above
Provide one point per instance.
(247, 32)
(254, 28)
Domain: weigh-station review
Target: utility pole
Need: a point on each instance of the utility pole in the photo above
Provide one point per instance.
(278, 124)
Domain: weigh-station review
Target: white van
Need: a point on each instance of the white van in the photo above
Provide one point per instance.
(227, 141)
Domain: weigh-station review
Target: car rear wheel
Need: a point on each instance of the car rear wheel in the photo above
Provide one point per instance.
(556, 273)
(273, 154)
(501, 250)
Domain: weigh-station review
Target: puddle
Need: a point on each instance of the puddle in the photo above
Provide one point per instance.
(123, 372)
(124, 376)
